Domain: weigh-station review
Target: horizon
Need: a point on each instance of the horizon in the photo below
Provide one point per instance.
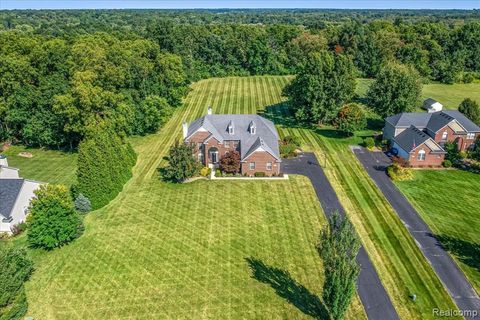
(234, 4)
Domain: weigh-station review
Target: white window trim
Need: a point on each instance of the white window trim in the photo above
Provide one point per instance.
(470, 136)
(445, 135)
(252, 130)
(250, 165)
(421, 156)
(267, 166)
(226, 143)
(230, 130)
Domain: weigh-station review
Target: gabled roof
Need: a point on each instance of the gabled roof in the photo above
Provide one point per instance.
(412, 138)
(9, 191)
(430, 101)
(259, 143)
(217, 125)
(407, 119)
(466, 123)
(433, 121)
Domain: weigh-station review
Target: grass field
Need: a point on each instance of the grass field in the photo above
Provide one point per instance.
(450, 95)
(449, 202)
(45, 166)
(205, 250)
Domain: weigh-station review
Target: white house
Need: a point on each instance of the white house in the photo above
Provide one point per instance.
(15, 196)
(432, 105)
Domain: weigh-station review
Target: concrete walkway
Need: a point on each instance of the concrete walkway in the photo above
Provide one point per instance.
(375, 299)
(447, 270)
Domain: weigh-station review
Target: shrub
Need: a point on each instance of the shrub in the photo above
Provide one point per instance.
(398, 173)
(351, 118)
(369, 143)
(230, 163)
(288, 145)
(453, 155)
(15, 269)
(218, 173)
(205, 171)
(52, 221)
(259, 174)
(19, 228)
(105, 162)
(82, 204)
(181, 163)
(447, 163)
(401, 161)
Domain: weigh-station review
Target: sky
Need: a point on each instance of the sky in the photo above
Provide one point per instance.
(186, 4)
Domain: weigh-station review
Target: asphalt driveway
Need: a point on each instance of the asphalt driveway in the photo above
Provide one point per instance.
(374, 298)
(447, 270)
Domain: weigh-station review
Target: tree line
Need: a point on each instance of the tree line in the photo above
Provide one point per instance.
(63, 71)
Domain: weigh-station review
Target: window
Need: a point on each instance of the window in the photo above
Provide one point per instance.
(199, 145)
(252, 165)
(200, 157)
(252, 130)
(269, 166)
(421, 155)
(444, 135)
(226, 144)
(230, 129)
(470, 136)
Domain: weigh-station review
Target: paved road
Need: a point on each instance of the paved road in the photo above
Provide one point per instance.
(374, 298)
(447, 270)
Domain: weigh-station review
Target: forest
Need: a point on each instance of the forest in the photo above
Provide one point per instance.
(64, 71)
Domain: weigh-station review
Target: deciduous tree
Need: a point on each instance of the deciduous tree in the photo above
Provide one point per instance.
(351, 118)
(230, 162)
(181, 163)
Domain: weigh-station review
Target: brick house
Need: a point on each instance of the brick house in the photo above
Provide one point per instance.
(420, 137)
(254, 137)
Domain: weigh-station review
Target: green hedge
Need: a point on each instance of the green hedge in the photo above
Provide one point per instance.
(105, 162)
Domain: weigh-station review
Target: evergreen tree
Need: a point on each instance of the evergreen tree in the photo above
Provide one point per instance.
(105, 162)
(396, 89)
(338, 247)
(181, 163)
(470, 109)
(82, 204)
(52, 221)
(323, 85)
(15, 268)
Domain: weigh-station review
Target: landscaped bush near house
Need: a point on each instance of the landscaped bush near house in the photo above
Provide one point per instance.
(369, 143)
(288, 145)
(181, 163)
(218, 173)
(230, 163)
(259, 174)
(82, 204)
(19, 228)
(15, 268)
(401, 161)
(447, 163)
(398, 173)
(105, 162)
(205, 171)
(53, 221)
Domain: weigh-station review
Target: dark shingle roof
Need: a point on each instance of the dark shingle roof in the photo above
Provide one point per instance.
(407, 119)
(9, 191)
(464, 121)
(411, 138)
(438, 120)
(217, 125)
(430, 101)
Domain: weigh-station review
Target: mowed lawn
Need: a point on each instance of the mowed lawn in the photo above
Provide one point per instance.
(46, 165)
(449, 202)
(204, 250)
(450, 95)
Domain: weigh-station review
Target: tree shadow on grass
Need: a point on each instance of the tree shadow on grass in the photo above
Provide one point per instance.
(280, 114)
(289, 289)
(467, 252)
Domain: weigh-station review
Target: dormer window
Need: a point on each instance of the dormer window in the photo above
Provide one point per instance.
(231, 128)
(252, 128)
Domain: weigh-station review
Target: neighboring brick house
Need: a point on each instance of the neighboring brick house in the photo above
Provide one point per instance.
(254, 137)
(420, 137)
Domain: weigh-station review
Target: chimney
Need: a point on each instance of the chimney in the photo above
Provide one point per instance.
(209, 110)
(185, 129)
(3, 161)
